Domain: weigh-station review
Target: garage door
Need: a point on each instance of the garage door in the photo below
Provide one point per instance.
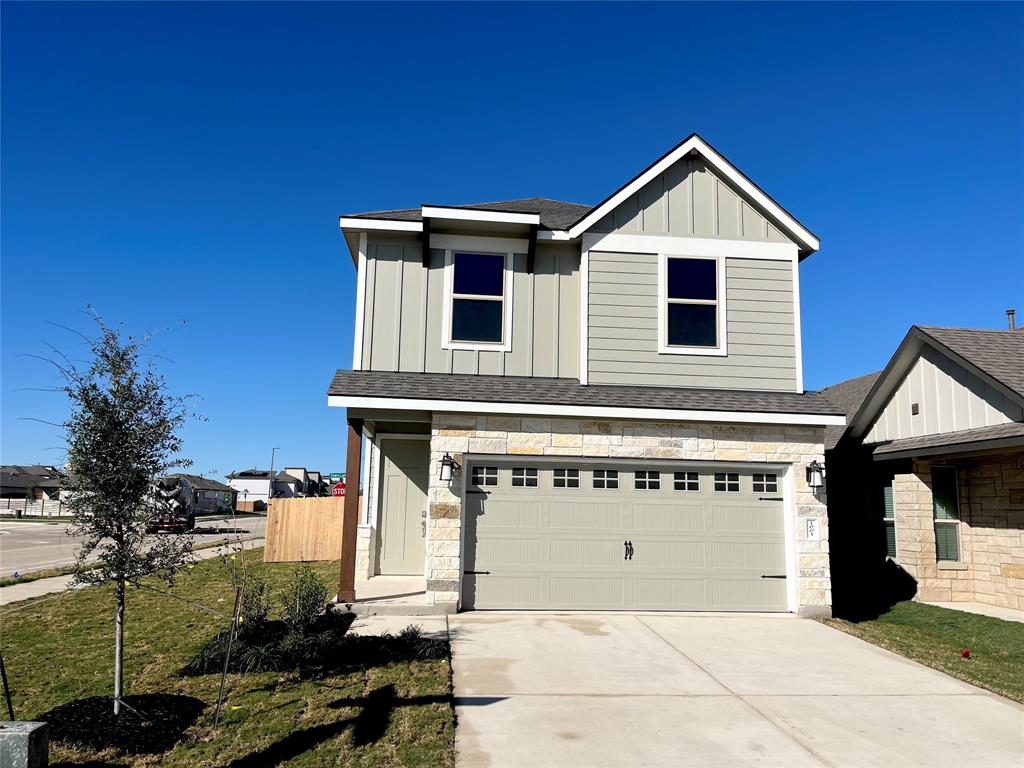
(623, 536)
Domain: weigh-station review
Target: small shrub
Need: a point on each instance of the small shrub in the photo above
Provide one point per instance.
(255, 606)
(258, 658)
(303, 600)
(411, 634)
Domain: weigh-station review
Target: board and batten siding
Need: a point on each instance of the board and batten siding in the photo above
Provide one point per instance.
(949, 399)
(623, 327)
(402, 328)
(689, 199)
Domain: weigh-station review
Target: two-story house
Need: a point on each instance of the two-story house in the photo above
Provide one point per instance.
(588, 407)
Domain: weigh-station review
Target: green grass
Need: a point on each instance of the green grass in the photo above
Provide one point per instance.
(59, 649)
(937, 636)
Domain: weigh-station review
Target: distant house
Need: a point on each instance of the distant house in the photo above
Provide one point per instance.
(209, 495)
(926, 483)
(287, 486)
(250, 485)
(36, 482)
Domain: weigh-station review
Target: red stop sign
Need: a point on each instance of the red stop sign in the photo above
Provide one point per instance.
(338, 490)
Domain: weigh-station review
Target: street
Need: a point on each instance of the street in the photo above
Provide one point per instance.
(31, 546)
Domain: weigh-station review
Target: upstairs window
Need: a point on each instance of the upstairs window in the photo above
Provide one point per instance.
(478, 310)
(692, 307)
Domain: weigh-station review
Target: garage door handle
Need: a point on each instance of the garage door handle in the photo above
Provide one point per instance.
(770, 498)
(478, 573)
(629, 550)
(773, 576)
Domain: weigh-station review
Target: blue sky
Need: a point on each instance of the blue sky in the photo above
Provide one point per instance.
(169, 162)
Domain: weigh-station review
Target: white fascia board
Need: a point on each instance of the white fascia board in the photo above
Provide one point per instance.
(476, 214)
(361, 270)
(690, 246)
(586, 411)
(554, 234)
(719, 164)
(478, 243)
(387, 225)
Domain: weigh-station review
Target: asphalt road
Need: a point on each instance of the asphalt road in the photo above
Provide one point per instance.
(31, 546)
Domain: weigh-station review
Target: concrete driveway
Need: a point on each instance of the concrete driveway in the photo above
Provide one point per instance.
(541, 689)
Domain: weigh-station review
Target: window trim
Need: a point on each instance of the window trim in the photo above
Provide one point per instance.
(722, 349)
(488, 249)
(888, 483)
(685, 481)
(727, 481)
(952, 523)
(764, 481)
(604, 479)
(567, 478)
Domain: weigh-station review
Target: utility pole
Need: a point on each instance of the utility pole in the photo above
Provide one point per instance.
(270, 488)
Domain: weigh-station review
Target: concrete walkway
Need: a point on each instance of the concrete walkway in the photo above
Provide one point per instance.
(55, 584)
(995, 611)
(538, 689)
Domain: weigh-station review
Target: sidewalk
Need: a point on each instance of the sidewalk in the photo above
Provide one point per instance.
(17, 592)
(995, 611)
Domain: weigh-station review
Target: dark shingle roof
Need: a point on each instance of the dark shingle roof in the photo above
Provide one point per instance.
(953, 439)
(284, 477)
(200, 483)
(545, 391)
(847, 396)
(554, 214)
(257, 474)
(1000, 354)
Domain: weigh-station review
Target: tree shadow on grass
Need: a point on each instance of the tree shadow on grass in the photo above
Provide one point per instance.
(368, 726)
(150, 724)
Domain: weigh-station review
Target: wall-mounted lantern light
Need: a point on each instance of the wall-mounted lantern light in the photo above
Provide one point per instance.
(449, 467)
(815, 475)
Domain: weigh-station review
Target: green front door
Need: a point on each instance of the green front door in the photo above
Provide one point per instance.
(403, 487)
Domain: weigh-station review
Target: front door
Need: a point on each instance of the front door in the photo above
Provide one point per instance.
(404, 469)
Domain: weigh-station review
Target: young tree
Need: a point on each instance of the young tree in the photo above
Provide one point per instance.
(122, 434)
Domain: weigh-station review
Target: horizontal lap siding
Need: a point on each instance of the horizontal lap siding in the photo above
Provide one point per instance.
(402, 329)
(623, 327)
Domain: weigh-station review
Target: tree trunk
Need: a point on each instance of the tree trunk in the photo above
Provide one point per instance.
(119, 648)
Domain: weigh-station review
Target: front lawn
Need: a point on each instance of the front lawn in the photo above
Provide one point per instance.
(369, 709)
(937, 637)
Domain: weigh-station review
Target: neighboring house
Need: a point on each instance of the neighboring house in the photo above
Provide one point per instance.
(929, 474)
(209, 495)
(30, 482)
(287, 486)
(251, 485)
(616, 389)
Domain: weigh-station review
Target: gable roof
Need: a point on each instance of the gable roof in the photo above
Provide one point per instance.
(200, 483)
(573, 219)
(997, 357)
(847, 396)
(554, 214)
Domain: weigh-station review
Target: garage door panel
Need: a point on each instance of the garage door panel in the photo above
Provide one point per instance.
(588, 553)
(740, 594)
(668, 516)
(585, 515)
(509, 513)
(586, 592)
(677, 554)
(754, 556)
(513, 591)
(663, 593)
(762, 517)
(511, 551)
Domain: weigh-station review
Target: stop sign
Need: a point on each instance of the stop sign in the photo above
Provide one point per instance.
(338, 490)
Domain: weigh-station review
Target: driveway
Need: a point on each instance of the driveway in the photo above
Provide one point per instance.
(537, 689)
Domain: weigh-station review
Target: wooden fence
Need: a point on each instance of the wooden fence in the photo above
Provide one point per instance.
(304, 529)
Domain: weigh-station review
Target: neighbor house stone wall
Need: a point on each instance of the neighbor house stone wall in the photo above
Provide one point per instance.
(460, 434)
(991, 566)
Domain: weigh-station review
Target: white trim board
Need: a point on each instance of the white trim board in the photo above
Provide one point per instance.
(592, 411)
(389, 225)
(361, 269)
(479, 214)
(584, 372)
(798, 343)
(478, 243)
(690, 246)
(722, 166)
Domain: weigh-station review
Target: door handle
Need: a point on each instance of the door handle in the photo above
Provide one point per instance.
(773, 576)
(629, 550)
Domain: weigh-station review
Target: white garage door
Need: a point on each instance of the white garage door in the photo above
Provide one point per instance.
(623, 536)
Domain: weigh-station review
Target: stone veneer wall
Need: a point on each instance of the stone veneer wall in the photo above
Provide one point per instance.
(991, 567)
(459, 434)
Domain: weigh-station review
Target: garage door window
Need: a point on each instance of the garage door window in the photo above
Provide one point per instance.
(567, 478)
(766, 483)
(607, 479)
(727, 481)
(687, 481)
(485, 475)
(647, 480)
(524, 477)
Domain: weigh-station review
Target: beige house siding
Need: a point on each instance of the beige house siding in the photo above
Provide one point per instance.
(991, 566)
(623, 327)
(949, 399)
(402, 326)
(690, 199)
(460, 434)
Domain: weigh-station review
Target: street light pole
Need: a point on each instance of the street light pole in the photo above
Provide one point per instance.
(270, 488)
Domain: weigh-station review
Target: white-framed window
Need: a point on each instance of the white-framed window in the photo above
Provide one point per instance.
(766, 482)
(727, 482)
(647, 480)
(606, 479)
(478, 300)
(889, 518)
(524, 477)
(691, 305)
(485, 476)
(946, 508)
(686, 481)
(566, 478)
